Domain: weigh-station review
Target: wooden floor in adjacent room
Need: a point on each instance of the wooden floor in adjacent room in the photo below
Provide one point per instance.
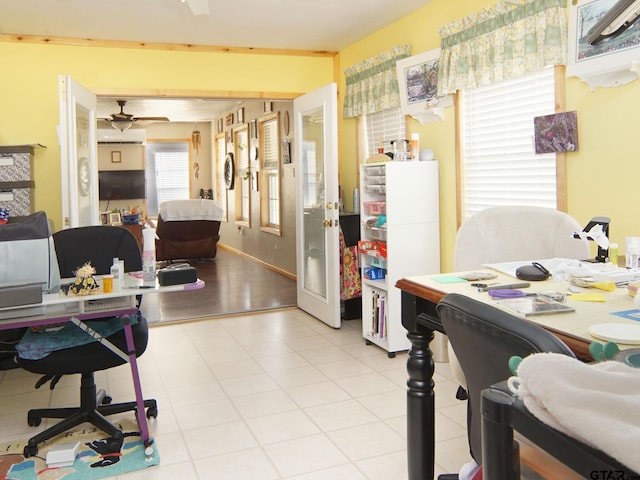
(233, 284)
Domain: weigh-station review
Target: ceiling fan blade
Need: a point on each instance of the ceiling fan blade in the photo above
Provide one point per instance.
(150, 119)
(199, 7)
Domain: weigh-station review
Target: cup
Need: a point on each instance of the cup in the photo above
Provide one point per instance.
(107, 283)
(632, 251)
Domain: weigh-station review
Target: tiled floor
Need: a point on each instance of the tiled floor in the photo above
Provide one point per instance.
(275, 395)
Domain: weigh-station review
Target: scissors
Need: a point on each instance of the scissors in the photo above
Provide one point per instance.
(509, 293)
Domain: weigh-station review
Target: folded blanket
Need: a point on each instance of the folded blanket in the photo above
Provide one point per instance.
(598, 404)
(174, 210)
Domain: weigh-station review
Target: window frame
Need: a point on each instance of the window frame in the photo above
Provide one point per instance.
(561, 157)
(242, 186)
(221, 194)
(271, 172)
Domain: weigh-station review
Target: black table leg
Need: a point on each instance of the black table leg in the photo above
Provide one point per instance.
(420, 407)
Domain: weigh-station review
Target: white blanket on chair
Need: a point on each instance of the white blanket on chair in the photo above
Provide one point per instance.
(173, 210)
(598, 404)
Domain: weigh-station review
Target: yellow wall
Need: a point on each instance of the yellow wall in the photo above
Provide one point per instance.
(602, 175)
(29, 93)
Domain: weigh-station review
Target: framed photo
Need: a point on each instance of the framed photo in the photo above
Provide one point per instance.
(104, 218)
(228, 120)
(286, 151)
(253, 128)
(267, 107)
(418, 83)
(116, 157)
(220, 125)
(240, 115)
(605, 64)
(114, 218)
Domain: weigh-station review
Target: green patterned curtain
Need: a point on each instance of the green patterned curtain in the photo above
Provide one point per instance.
(372, 85)
(508, 40)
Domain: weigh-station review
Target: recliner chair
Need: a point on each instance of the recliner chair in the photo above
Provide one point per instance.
(485, 338)
(74, 247)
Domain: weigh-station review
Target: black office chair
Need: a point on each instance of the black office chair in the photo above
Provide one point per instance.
(75, 247)
(484, 339)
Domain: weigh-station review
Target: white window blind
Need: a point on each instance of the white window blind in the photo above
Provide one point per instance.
(500, 166)
(382, 128)
(172, 175)
(270, 144)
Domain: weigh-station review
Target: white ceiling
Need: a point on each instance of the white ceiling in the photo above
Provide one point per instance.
(319, 25)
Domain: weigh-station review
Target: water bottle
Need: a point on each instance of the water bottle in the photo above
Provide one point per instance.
(149, 255)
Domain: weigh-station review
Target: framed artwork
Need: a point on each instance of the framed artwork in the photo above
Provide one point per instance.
(285, 123)
(220, 125)
(228, 120)
(116, 157)
(286, 151)
(240, 115)
(114, 218)
(607, 63)
(253, 128)
(229, 136)
(418, 83)
(104, 218)
(556, 133)
(267, 107)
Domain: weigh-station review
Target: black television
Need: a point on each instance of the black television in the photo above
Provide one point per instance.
(121, 184)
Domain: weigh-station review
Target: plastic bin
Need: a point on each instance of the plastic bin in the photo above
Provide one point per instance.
(375, 208)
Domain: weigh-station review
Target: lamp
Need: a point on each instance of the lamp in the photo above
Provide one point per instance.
(121, 125)
(620, 17)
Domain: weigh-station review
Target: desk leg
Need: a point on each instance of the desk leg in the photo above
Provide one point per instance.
(133, 362)
(420, 408)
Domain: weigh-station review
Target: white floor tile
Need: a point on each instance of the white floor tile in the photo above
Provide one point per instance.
(304, 455)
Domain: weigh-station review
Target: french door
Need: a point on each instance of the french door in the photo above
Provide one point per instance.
(317, 212)
(78, 154)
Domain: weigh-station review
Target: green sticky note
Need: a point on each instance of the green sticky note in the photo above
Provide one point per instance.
(449, 279)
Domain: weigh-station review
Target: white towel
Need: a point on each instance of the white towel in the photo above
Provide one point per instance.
(195, 209)
(598, 404)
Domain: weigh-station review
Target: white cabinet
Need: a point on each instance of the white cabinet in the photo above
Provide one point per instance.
(400, 237)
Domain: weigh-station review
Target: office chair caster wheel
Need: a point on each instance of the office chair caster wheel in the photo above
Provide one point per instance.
(30, 451)
(152, 412)
(391, 354)
(33, 421)
(368, 342)
(107, 400)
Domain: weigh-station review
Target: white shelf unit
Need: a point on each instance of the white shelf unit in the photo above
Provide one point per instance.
(407, 194)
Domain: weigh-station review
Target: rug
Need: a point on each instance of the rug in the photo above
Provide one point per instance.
(92, 462)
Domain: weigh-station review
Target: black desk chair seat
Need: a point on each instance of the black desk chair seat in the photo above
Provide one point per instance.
(75, 247)
(484, 339)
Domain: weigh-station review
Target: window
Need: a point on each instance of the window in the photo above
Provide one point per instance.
(499, 164)
(383, 127)
(167, 173)
(220, 194)
(243, 176)
(270, 174)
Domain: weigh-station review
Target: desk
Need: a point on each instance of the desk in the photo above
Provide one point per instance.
(56, 308)
(421, 294)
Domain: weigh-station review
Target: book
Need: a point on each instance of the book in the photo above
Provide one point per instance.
(535, 305)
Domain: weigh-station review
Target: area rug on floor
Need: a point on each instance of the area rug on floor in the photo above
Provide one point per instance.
(92, 460)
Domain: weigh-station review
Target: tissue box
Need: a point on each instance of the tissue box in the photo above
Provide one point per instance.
(177, 275)
(374, 273)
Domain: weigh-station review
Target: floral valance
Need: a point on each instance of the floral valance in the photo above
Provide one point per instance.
(508, 40)
(372, 85)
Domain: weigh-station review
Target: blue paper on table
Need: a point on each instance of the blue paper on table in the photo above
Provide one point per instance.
(449, 279)
(629, 314)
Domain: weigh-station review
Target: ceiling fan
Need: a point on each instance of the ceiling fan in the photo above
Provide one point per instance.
(122, 121)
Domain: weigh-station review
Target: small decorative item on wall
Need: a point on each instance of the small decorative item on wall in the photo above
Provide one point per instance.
(229, 136)
(228, 120)
(253, 128)
(285, 123)
(418, 83)
(229, 171)
(220, 125)
(606, 63)
(556, 133)
(114, 218)
(267, 107)
(116, 157)
(286, 151)
(240, 115)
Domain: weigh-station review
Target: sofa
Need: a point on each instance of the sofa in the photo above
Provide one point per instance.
(187, 229)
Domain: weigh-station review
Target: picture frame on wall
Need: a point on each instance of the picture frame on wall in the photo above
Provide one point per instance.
(267, 107)
(220, 125)
(418, 84)
(605, 64)
(240, 115)
(116, 157)
(253, 128)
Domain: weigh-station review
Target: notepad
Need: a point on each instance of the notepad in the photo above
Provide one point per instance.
(535, 305)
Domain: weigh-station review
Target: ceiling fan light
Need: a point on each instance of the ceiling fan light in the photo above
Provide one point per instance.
(121, 125)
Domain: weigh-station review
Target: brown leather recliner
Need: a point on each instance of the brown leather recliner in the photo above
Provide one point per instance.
(185, 239)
